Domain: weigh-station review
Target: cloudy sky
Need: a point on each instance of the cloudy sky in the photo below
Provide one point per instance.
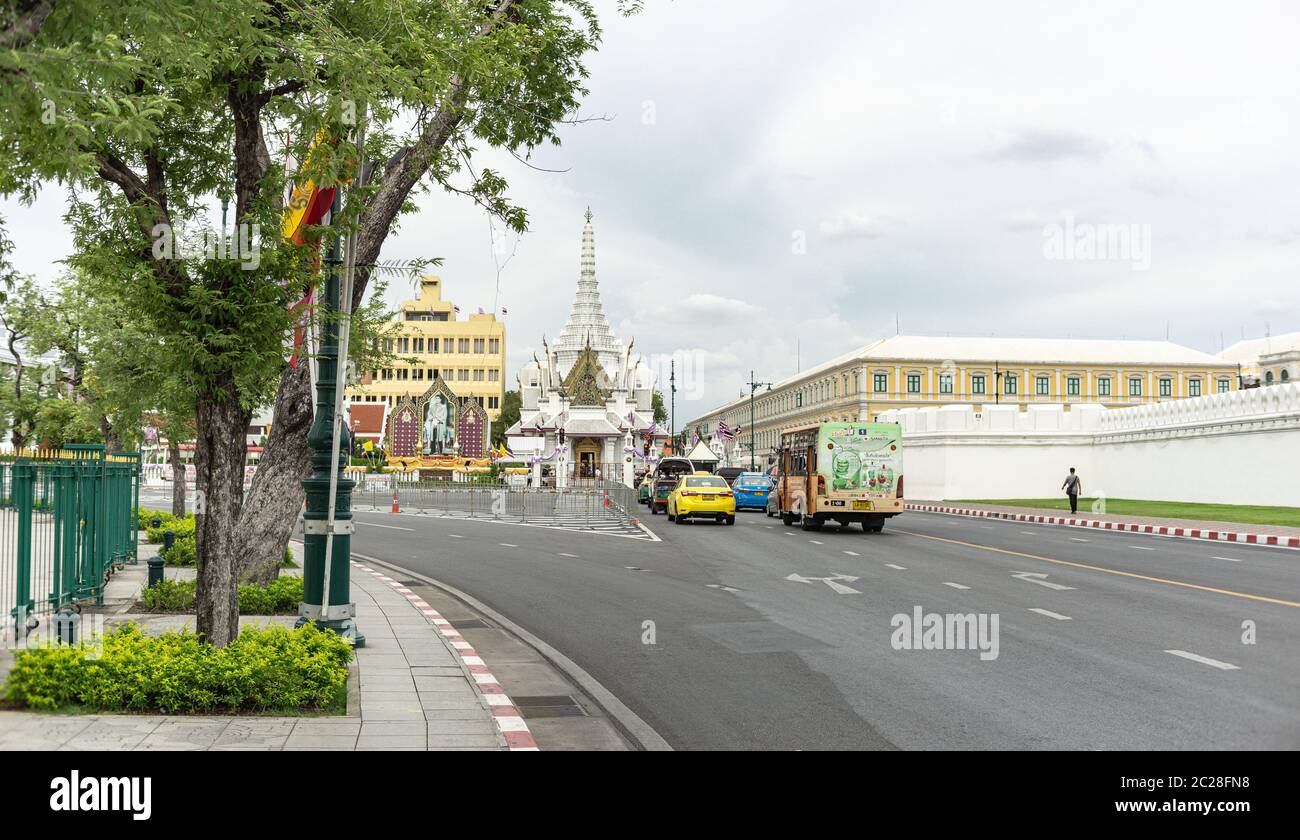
(777, 182)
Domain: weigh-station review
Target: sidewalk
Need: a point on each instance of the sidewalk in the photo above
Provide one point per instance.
(416, 685)
(1275, 535)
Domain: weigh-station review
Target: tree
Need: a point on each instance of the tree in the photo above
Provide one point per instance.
(657, 405)
(510, 405)
(148, 108)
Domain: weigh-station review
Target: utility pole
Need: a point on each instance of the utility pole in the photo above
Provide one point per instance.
(672, 390)
(327, 522)
(753, 386)
(997, 384)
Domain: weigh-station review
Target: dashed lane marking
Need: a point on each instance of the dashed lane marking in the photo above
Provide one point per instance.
(1050, 614)
(893, 566)
(852, 553)
(1229, 559)
(1205, 660)
(1261, 598)
(955, 585)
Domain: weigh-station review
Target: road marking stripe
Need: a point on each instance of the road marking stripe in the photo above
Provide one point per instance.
(851, 553)
(1262, 598)
(1229, 559)
(567, 554)
(390, 527)
(955, 585)
(1205, 660)
(817, 542)
(1077, 539)
(1050, 614)
(900, 568)
(1141, 548)
(1031, 533)
(508, 545)
(456, 536)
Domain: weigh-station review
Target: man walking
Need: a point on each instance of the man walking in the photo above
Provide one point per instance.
(1072, 486)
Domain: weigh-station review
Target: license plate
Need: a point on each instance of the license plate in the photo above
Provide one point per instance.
(707, 498)
(862, 505)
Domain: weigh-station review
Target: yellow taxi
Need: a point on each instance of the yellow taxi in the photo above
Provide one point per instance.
(702, 494)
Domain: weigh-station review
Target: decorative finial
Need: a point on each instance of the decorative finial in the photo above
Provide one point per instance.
(588, 212)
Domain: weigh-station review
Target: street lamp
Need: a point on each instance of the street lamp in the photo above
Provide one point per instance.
(753, 386)
(672, 390)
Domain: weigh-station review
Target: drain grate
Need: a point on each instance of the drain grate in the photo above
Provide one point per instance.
(547, 706)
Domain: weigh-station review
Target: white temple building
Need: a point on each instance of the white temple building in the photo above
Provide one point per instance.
(586, 404)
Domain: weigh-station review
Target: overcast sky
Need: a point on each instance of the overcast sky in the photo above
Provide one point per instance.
(782, 174)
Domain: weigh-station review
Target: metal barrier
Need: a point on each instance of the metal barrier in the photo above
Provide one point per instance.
(67, 518)
(592, 506)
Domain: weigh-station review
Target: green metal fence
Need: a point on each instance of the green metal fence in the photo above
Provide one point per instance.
(67, 520)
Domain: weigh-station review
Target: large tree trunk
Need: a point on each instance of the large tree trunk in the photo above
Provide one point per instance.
(276, 496)
(219, 472)
(178, 476)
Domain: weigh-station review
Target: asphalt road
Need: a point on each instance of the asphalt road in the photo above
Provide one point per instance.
(1082, 662)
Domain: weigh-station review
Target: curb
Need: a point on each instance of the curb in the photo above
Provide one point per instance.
(636, 730)
(509, 722)
(1127, 527)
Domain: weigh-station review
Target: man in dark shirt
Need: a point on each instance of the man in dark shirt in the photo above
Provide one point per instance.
(1072, 486)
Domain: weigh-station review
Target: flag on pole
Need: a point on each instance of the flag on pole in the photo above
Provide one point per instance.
(724, 431)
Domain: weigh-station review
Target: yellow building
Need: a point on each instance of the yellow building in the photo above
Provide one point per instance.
(432, 341)
(915, 371)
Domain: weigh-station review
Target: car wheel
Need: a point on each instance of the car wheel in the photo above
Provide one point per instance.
(730, 520)
(787, 519)
(681, 520)
(671, 518)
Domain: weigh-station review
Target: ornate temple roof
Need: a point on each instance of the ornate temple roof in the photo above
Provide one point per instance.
(586, 382)
(587, 324)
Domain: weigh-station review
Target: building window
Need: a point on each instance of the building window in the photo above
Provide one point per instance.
(417, 345)
(1135, 386)
(388, 345)
(1268, 377)
(433, 345)
(478, 374)
(403, 345)
(462, 375)
(977, 383)
(880, 383)
(1166, 386)
(462, 345)
(494, 345)
(798, 400)
(494, 375)
(1043, 385)
(914, 383)
(1224, 385)
(388, 373)
(417, 374)
(480, 345)
(1072, 386)
(1010, 385)
(1103, 386)
(1193, 387)
(1286, 374)
(945, 383)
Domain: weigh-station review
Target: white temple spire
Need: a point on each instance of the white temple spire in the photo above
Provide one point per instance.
(587, 323)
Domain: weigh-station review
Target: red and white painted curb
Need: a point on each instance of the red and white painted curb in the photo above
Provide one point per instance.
(509, 722)
(1108, 525)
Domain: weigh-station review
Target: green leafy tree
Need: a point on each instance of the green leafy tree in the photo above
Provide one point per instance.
(510, 405)
(658, 407)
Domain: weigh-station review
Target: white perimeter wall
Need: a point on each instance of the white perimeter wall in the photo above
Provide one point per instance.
(1241, 447)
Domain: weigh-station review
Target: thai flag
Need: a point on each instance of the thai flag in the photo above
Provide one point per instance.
(724, 431)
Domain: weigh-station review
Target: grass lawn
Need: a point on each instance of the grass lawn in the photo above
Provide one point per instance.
(1251, 514)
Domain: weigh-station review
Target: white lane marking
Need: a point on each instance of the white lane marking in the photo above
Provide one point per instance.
(1141, 548)
(1229, 559)
(832, 582)
(790, 534)
(1030, 533)
(377, 525)
(852, 553)
(723, 588)
(1040, 579)
(508, 545)
(567, 554)
(817, 542)
(1077, 539)
(1204, 660)
(900, 568)
(1050, 614)
(456, 536)
(955, 585)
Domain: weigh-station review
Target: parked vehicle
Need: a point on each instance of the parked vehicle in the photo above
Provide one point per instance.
(842, 472)
(752, 490)
(702, 495)
(730, 474)
(665, 477)
(644, 488)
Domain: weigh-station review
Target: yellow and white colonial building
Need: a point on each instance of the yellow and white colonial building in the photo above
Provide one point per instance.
(432, 341)
(1272, 360)
(916, 371)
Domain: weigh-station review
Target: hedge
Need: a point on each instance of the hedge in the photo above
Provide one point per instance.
(281, 596)
(267, 669)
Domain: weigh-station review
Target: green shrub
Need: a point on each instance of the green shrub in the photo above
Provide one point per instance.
(266, 669)
(288, 562)
(180, 527)
(169, 596)
(184, 552)
(145, 517)
(281, 597)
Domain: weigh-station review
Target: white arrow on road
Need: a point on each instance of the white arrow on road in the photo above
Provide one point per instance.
(832, 582)
(1040, 579)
